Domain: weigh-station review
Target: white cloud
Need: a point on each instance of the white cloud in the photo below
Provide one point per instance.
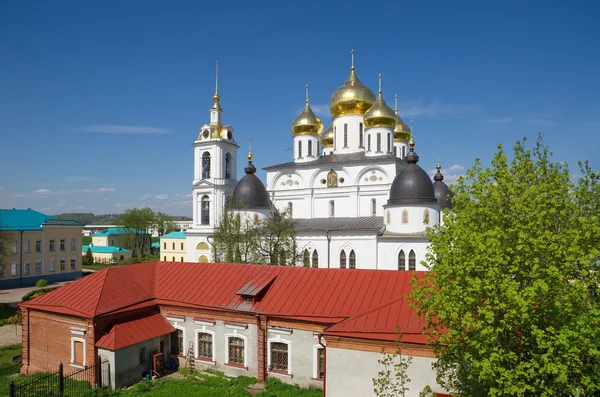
(499, 120)
(144, 197)
(436, 108)
(540, 121)
(184, 195)
(43, 192)
(123, 129)
(162, 197)
(451, 174)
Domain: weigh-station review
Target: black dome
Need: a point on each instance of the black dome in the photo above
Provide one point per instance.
(412, 185)
(250, 193)
(443, 194)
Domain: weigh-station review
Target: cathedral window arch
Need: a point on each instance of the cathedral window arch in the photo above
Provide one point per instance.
(332, 209)
(352, 261)
(389, 143)
(228, 166)
(315, 259)
(206, 165)
(306, 258)
(401, 260)
(426, 216)
(299, 149)
(378, 142)
(360, 135)
(205, 210)
(395, 151)
(404, 216)
(343, 259)
(310, 148)
(412, 260)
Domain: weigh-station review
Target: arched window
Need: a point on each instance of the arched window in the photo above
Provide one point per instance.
(403, 151)
(205, 345)
(228, 166)
(426, 217)
(205, 211)
(389, 142)
(299, 149)
(343, 259)
(290, 209)
(309, 148)
(405, 216)
(202, 259)
(315, 259)
(331, 209)
(306, 258)
(412, 260)
(373, 207)
(368, 142)
(401, 260)
(378, 142)
(202, 246)
(352, 263)
(206, 165)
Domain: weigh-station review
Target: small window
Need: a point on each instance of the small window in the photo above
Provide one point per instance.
(15, 247)
(52, 264)
(352, 262)
(401, 260)
(255, 219)
(321, 362)
(236, 351)
(143, 355)
(360, 135)
(182, 246)
(13, 269)
(388, 217)
(52, 246)
(389, 140)
(332, 209)
(315, 259)
(299, 149)
(426, 217)
(165, 258)
(228, 166)
(309, 148)
(78, 353)
(28, 247)
(182, 258)
(173, 246)
(306, 258)
(403, 151)
(378, 142)
(395, 151)
(205, 345)
(177, 342)
(38, 246)
(279, 356)
(206, 165)
(368, 142)
(343, 259)
(38, 266)
(63, 245)
(373, 207)
(205, 211)
(412, 260)
(73, 244)
(173, 259)
(73, 263)
(165, 245)
(345, 135)
(405, 216)
(62, 264)
(26, 268)
(290, 208)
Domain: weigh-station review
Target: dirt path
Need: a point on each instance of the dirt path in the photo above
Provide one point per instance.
(7, 335)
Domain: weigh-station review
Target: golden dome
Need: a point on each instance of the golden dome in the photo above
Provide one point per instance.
(402, 131)
(353, 97)
(327, 137)
(380, 114)
(307, 123)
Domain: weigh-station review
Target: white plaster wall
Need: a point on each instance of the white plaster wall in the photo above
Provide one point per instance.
(350, 373)
(415, 217)
(315, 139)
(384, 132)
(389, 249)
(353, 122)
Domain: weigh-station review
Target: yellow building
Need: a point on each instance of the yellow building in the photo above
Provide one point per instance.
(40, 247)
(172, 247)
(107, 255)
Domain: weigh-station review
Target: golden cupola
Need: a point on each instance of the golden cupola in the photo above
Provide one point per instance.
(380, 114)
(401, 131)
(353, 97)
(327, 137)
(307, 123)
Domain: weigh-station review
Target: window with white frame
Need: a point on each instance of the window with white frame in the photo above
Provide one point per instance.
(28, 247)
(236, 350)
(15, 247)
(26, 268)
(318, 362)
(78, 352)
(52, 245)
(373, 207)
(73, 244)
(63, 244)
(345, 135)
(279, 356)
(38, 246)
(62, 263)
(13, 269)
(178, 342)
(332, 209)
(52, 264)
(205, 345)
(73, 263)
(378, 142)
(310, 148)
(38, 266)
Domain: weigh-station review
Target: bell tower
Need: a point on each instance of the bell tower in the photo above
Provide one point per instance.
(215, 162)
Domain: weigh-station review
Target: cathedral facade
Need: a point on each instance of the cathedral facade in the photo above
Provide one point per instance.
(355, 189)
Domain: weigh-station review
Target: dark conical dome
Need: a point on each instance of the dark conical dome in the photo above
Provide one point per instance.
(412, 185)
(250, 193)
(443, 194)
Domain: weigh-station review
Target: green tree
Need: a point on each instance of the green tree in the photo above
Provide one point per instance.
(41, 283)
(163, 223)
(513, 280)
(88, 258)
(275, 242)
(140, 222)
(15, 320)
(392, 380)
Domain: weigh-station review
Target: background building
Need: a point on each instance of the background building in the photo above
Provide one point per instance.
(41, 247)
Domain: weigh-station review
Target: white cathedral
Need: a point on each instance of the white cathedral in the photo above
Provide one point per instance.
(356, 190)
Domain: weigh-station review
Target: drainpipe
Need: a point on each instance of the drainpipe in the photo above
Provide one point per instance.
(324, 364)
(328, 249)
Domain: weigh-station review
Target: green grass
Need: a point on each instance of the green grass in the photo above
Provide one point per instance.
(7, 367)
(215, 384)
(6, 311)
(94, 267)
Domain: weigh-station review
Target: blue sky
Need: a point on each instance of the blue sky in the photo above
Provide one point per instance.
(100, 101)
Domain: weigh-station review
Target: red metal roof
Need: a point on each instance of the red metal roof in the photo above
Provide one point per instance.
(326, 296)
(135, 331)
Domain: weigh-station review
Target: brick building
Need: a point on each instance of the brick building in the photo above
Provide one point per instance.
(311, 326)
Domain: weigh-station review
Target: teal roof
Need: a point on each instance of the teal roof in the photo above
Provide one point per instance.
(155, 245)
(117, 231)
(111, 249)
(13, 219)
(174, 235)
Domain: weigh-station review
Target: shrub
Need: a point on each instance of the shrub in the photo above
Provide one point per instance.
(37, 292)
(41, 283)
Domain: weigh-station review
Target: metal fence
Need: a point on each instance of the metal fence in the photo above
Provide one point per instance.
(88, 381)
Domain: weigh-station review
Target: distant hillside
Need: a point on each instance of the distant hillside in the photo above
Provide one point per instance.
(89, 218)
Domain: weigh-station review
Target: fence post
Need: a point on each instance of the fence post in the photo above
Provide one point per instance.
(11, 389)
(99, 372)
(61, 380)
